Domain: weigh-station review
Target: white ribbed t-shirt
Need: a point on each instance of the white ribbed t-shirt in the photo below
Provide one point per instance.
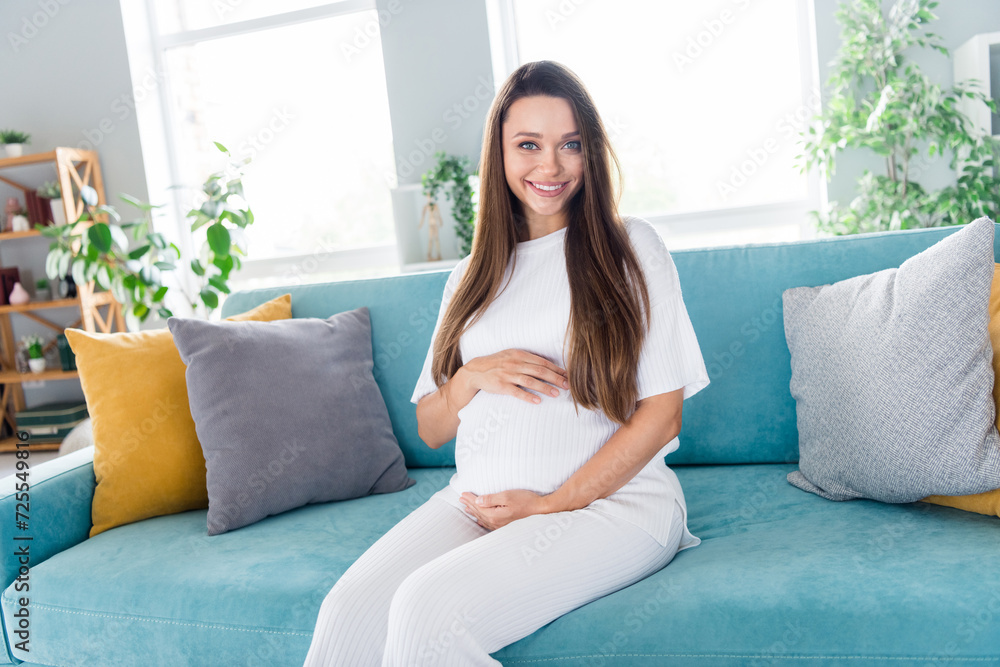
(506, 443)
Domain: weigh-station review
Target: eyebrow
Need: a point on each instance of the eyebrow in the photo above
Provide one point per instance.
(536, 135)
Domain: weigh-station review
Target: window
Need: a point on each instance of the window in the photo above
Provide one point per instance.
(298, 87)
(703, 102)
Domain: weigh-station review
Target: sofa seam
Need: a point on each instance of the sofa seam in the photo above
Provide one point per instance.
(741, 656)
(211, 626)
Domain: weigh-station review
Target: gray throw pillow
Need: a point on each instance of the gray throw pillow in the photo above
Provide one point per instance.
(288, 413)
(892, 377)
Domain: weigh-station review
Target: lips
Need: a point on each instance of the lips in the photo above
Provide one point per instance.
(547, 189)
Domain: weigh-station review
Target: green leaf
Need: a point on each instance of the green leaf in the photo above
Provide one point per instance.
(218, 283)
(210, 298)
(79, 271)
(52, 263)
(158, 240)
(104, 277)
(100, 235)
(64, 261)
(139, 252)
(221, 147)
(164, 313)
(160, 293)
(110, 211)
(165, 266)
(88, 195)
(196, 266)
(218, 239)
(224, 262)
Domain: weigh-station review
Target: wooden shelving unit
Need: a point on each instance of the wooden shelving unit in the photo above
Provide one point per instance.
(74, 169)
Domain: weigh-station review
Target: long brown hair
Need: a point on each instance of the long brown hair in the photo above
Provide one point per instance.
(607, 325)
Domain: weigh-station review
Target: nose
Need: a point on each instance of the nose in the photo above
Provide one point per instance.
(548, 162)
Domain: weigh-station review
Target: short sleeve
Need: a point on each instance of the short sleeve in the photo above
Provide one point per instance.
(671, 358)
(425, 383)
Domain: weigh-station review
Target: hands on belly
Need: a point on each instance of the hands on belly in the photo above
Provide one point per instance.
(495, 510)
(513, 372)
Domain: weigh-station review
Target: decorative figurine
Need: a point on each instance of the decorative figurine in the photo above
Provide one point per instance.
(433, 216)
(18, 295)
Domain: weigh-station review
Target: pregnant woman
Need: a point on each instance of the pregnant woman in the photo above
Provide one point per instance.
(560, 361)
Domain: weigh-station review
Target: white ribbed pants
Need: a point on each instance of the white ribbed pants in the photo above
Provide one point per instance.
(439, 589)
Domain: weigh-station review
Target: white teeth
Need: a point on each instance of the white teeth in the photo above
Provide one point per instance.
(547, 188)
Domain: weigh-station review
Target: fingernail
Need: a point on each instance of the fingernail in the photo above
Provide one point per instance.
(479, 500)
(566, 383)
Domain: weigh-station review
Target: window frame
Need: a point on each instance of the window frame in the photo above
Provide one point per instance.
(503, 44)
(163, 131)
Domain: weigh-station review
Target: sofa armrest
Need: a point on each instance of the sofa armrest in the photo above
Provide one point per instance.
(60, 494)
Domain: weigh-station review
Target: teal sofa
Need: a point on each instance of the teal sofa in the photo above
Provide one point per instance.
(782, 577)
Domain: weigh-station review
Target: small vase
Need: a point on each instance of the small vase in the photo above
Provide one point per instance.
(58, 212)
(14, 150)
(18, 295)
(42, 294)
(36, 365)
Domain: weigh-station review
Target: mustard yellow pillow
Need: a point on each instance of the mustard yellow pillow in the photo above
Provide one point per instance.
(147, 458)
(989, 501)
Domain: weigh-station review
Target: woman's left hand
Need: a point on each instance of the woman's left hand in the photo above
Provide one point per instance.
(498, 509)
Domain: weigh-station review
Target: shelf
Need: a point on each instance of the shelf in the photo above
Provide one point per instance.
(13, 377)
(4, 236)
(75, 170)
(41, 305)
(31, 158)
(10, 445)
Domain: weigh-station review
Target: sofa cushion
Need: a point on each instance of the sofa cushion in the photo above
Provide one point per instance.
(147, 458)
(287, 413)
(892, 377)
(780, 574)
(987, 502)
(733, 296)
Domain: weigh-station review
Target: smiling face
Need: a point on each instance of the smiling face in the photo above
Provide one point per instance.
(543, 160)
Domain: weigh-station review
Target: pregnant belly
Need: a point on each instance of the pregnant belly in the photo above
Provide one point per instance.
(505, 443)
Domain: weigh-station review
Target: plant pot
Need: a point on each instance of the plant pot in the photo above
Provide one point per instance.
(43, 294)
(14, 150)
(36, 365)
(19, 223)
(58, 212)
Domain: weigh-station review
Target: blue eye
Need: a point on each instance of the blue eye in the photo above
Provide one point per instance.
(521, 145)
(578, 144)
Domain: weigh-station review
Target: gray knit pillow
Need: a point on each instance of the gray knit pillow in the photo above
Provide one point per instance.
(892, 377)
(287, 413)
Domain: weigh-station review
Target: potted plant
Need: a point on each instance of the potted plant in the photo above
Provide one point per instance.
(51, 191)
(36, 355)
(454, 175)
(881, 101)
(133, 272)
(13, 142)
(42, 292)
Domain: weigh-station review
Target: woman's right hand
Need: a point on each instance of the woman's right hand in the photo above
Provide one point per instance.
(513, 372)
